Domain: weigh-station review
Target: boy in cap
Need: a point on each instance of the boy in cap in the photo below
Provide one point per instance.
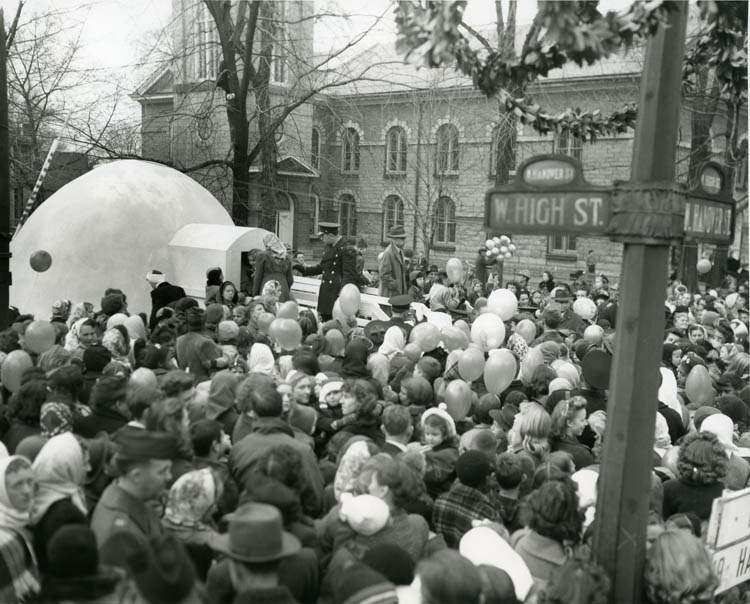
(144, 463)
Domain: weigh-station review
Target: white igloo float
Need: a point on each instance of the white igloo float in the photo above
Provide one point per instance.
(111, 226)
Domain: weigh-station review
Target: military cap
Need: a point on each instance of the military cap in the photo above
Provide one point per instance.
(140, 444)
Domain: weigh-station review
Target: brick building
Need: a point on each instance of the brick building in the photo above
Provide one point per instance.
(404, 146)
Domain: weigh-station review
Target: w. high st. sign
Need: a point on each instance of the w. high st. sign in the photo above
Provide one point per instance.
(550, 196)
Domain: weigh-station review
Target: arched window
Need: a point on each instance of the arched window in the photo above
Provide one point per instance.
(447, 149)
(347, 216)
(445, 221)
(393, 214)
(350, 150)
(395, 153)
(208, 47)
(315, 149)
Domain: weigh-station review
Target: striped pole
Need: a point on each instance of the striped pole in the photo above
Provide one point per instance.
(37, 185)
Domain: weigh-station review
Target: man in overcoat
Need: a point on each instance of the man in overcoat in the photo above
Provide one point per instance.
(392, 267)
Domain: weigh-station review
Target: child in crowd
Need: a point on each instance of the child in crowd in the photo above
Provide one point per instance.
(441, 443)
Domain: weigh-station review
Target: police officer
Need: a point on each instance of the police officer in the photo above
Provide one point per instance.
(337, 267)
(400, 307)
(143, 462)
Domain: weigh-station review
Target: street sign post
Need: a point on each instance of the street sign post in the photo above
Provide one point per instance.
(728, 537)
(709, 208)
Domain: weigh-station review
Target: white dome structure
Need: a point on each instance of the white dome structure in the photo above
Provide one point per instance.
(107, 228)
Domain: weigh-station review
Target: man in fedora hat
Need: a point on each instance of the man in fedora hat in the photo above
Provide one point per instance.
(255, 545)
(337, 267)
(392, 266)
(570, 320)
(144, 465)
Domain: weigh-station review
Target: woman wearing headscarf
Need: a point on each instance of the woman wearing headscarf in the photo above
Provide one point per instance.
(82, 310)
(19, 574)
(261, 360)
(188, 515)
(59, 471)
(116, 341)
(273, 264)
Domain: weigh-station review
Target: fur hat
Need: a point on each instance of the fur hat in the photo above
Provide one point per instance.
(441, 411)
(365, 514)
(96, 358)
(194, 318)
(112, 304)
(228, 331)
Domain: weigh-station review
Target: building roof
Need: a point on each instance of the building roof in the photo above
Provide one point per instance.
(387, 71)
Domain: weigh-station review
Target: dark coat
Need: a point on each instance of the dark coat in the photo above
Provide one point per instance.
(392, 272)
(269, 267)
(100, 420)
(57, 515)
(163, 295)
(581, 454)
(17, 432)
(337, 267)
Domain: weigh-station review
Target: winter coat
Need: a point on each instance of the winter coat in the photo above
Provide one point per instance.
(269, 267)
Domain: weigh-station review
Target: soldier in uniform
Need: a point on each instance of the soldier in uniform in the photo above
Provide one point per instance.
(337, 267)
(144, 462)
(400, 306)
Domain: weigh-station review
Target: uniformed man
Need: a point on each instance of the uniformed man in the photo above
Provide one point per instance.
(337, 267)
(570, 320)
(144, 463)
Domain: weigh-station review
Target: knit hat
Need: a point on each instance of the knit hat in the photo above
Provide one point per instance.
(214, 314)
(228, 331)
(391, 561)
(359, 584)
(472, 468)
(332, 385)
(303, 418)
(365, 514)
(441, 411)
(701, 413)
(112, 304)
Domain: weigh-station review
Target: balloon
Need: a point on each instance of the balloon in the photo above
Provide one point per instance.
(40, 261)
(287, 332)
(499, 371)
(584, 308)
(530, 362)
(496, 241)
(527, 330)
(488, 254)
(39, 336)
(488, 331)
(559, 383)
(507, 255)
(489, 244)
(440, 319)
(412, 352)
(698, 386)
(338, 314)
(453, 338)
(471, 364)
(439, 388)
(457, 399)
(504, 240)
(350, 299)
(455, 270)
(495, 251)
(703, 266)
(426, 336)
(264, 322)
(13, 367)
(731, 300)
(288, 310)
(463, 326)
(503, 303)
(594, 334)
(336, 340)
(512, 247)
(503, 249)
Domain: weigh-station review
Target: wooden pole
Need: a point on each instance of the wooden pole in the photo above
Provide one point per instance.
(624, 484)
(4, 183)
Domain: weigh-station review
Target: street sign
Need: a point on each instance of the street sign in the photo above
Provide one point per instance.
(728, 537)
(549, 195)
(709, 208)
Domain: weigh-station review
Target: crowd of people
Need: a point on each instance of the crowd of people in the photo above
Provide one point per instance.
(257, 451)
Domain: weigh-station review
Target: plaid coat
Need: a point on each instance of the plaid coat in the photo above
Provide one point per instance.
(454, 511)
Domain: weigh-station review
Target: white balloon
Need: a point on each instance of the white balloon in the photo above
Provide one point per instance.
(584, 308)
(488, 331)
(496, 240)
(503, 249)
(507, 255)
(489, 254)
(504, 239)
(512, 247)
(489, 244)
(731, 300)
(503, 303)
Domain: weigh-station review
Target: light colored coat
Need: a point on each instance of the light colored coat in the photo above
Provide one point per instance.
(393, 278)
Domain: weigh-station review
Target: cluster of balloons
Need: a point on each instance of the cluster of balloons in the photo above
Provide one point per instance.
(499, 246)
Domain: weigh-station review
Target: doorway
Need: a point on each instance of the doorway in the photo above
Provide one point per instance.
(285, 219)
